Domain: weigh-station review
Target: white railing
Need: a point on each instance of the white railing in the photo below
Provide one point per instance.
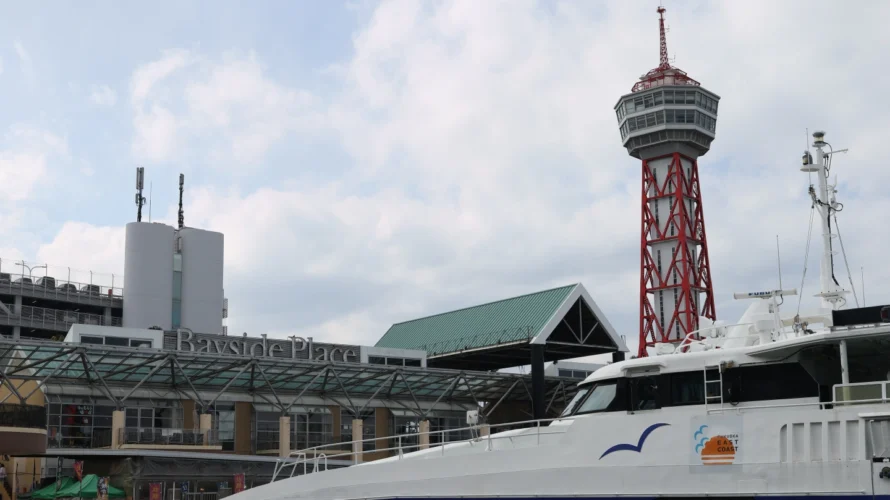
(842, 394)
(316, 457)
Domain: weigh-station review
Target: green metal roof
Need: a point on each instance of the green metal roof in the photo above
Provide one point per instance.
(509, 320)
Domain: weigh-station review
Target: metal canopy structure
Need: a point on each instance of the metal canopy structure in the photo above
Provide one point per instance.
(565, 321)
(119, 372)
(561, 323)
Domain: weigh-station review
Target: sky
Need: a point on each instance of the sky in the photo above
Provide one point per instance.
(375, 162)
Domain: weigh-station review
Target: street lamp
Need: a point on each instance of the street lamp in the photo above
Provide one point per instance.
(30, 269)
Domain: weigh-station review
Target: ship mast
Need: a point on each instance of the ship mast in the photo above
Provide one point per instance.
(826, 205)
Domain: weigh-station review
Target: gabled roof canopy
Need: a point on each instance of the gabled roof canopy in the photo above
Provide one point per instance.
(499, 334)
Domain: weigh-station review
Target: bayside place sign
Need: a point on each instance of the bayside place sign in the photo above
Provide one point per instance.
(262, 347)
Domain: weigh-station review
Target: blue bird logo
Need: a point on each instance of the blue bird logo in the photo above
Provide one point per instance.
(639, 446)
(700, 438)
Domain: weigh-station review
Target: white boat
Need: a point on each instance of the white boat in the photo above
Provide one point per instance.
(774, 406)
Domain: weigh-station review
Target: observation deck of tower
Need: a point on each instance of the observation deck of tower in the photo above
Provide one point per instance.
(668, 121)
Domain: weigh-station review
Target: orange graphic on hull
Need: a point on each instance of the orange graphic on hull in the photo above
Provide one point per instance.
(718, 450)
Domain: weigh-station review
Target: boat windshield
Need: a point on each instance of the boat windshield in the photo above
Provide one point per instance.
(600, 397)
(593, 398)
(570, 408)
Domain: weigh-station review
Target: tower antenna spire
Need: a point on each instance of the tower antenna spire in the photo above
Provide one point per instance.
(664, 74)
(663, 54)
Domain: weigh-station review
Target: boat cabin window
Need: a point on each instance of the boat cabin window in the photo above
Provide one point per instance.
(644, 393)
(601, 398)
(742, 384)
(573, 404)
(751, 383)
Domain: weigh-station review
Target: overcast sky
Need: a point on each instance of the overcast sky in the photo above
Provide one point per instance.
(371, 162)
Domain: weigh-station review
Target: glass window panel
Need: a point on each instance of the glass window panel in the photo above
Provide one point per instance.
(650, 120)
(146, 417)
(657, 97)
(629, 107)
(600, 398)
(698, 98)
(91, 339)
(669, 116)
(690, 96)
(118, 341)
(668, 96)
(140, 343)
(659, 117)
(631, 124)
(412, 362)
(638, 103)
(647, 101)
(376, 360)
(132, 417)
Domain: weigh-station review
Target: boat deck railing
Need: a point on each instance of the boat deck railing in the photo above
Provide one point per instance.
(316, 459)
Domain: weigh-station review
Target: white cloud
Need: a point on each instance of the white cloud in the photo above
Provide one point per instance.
(229, 102)
(23, 163)
(24, 58)
(85, 247)
(19, 173)
(103, 95)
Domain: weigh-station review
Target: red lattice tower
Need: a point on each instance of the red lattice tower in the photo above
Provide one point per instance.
(668, 121)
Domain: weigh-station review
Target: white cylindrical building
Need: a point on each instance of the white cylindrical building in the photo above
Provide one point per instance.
(148, 267)
(202, 280)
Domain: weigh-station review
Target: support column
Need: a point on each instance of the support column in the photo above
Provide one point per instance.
(283, 436)
(357, 440)
(118, 417)
(106, 319)
(424, 434)
(845, 372)
(845, 367)
(17, 310)
(205, 425)
(538, 388)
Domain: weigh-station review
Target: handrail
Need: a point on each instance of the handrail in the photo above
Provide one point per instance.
(301, 457)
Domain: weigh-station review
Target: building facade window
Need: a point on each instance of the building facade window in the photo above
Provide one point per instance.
(76, 422)
(369, 427)
(392, 361)
(445, 426)
(578, 374)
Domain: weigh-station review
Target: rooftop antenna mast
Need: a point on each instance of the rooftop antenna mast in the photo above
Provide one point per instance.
(140, 200)
(664, 63)
(181, 213)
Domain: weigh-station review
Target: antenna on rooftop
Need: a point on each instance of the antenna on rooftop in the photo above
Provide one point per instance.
(140, 200)
(181, 213)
